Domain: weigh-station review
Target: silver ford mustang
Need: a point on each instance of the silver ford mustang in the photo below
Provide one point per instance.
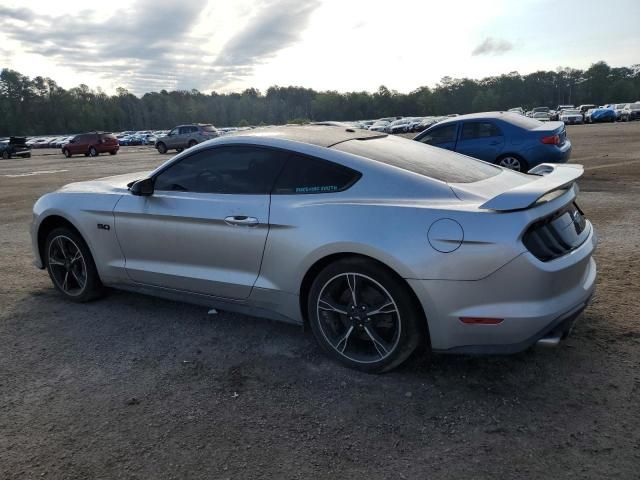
(378, 243)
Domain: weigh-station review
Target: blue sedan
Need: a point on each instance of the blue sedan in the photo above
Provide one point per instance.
(507, 139)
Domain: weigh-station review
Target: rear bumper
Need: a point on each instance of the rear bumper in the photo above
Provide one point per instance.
(534, 299)
(549, 154)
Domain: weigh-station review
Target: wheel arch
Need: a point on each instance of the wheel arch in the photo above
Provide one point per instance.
(320, 264)
(49, 224)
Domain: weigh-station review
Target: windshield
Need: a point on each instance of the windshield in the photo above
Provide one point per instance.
(540, 115)
(540, 109)
(635, 106)
(571, 112)
(620, 105)
(422, 159)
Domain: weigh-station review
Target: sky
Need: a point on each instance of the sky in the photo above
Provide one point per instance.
(344, 45)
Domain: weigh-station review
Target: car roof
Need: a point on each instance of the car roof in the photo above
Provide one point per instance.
(479, 116)
(319, 135)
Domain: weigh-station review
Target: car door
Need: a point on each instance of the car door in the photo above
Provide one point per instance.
(443, 136)
(183, 137)
(480, 139)
(204, 228)
(171, 138)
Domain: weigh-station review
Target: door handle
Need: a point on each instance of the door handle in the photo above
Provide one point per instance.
(241, 221)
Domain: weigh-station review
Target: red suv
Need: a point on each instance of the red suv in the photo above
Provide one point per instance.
(91, 144)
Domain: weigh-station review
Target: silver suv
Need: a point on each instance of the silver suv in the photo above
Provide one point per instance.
(185, 136)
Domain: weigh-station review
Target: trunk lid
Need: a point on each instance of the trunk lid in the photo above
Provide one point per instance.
(548, 129)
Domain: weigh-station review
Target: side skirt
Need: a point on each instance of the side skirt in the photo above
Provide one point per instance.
(224, 304)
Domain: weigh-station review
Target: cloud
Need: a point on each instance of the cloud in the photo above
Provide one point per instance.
(276, 26)
(151, 45)
(492, 46)
(23, 14)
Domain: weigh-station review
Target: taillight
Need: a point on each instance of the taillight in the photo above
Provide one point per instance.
(552, 140)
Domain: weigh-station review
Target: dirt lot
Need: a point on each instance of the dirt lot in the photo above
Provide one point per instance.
(140, 388)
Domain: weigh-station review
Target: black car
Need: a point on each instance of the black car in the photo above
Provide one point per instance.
(15, 147)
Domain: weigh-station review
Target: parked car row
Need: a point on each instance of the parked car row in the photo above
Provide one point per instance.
(586, 113)
(397, 124)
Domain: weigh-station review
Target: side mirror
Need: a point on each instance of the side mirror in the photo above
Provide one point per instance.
(143, 188)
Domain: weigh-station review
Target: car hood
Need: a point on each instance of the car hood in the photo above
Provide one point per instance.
(115, 184)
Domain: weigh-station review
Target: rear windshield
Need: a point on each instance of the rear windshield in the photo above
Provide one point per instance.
(522, 121)
(208, 128)
(422, 159)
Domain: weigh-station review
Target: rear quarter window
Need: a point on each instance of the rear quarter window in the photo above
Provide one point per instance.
(422, 159)
(305, 175)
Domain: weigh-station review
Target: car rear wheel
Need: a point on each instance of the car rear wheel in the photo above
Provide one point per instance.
(67, 153)
(93, 152)
(6, 155)
(192, 143)
(363, 315)
(513, 162)
(71, 266)
(113, 152)
(162, 148)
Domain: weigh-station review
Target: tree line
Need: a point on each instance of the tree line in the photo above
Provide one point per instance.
(30, 106)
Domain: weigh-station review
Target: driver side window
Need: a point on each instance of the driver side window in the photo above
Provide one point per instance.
(230, 170)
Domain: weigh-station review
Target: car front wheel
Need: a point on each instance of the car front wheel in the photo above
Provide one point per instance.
(67, 153)
(363, 315)
(162, 148)
(71, 266)
(6, 155)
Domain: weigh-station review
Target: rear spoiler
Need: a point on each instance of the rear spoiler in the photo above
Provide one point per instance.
(552, 177)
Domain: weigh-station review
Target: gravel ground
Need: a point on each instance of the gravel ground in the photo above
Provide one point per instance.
(135, 387)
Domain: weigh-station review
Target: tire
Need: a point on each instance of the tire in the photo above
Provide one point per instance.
(513, 162)
(6, 155)
(28, 155)
(162, 148)
(179, 150)
(349, 339)
(67, 153)
(77, 280)
(192, 143)
(93, 152)
(113, 152)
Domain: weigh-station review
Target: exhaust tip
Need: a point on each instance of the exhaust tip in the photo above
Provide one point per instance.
(553, 341)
